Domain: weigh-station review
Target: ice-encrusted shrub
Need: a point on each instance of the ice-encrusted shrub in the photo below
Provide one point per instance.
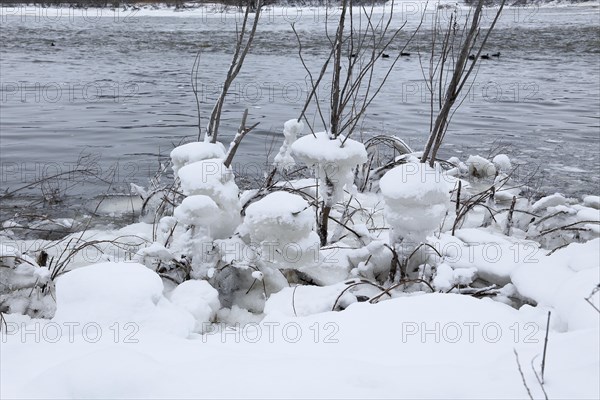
(24, 284)
(562, 220)
(282, 224)
(334, 161)
(416, 200)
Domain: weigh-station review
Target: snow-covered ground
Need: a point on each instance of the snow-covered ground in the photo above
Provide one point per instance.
(210, 301)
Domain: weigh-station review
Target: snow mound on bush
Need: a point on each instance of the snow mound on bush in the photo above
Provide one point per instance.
(416, 199)
(200, 299)
(301, 301)
(209, 177)
(320, 149)
(334, 162)
(195, 151)
(502, 163)
(196, 210)
(110, 293)
(563, 280)
(279, 216)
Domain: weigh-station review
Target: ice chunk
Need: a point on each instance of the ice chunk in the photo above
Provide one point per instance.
(592, 201)
(480, 167)
(554, 200)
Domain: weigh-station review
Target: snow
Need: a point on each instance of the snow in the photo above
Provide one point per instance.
(494, 259)
(279, 216)
(291, 129)
(416, 199)
(195, 151)
(502, 163)
(554, 200)
(334, 160)
(415, 184)
(200, 299)
(196, 210)
(213, 179)
(446, 277)
(563, 280)
(464, 345)
(117, 293)
(592, 201)
(307, 300)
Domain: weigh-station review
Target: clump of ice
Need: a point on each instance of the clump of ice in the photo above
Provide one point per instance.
(195, 151)
(592, 201)
(480, 167)
(416, 200)
(291, 129)
(334, 160)
(200, 299)
(553, 200)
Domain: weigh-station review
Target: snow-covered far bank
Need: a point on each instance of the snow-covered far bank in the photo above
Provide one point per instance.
(409, 9)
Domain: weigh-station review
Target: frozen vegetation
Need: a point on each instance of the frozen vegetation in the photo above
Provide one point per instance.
(338, 277)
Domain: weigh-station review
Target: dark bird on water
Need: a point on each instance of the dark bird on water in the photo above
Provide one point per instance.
(353, 55)
(471, 57)
(485, 57)
(403, 54)
(496, 54)
(52, 44)
(383, 55)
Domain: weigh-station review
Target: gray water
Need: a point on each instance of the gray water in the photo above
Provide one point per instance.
(117, 90)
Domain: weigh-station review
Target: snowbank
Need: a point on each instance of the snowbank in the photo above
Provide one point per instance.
(562, 281)
(118, 293)
(463, 345)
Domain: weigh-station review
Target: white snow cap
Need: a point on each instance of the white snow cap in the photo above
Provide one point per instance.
(415, 184)
(279, 216)
(195, 151)
(322, 150)
(502, 163)
(334, 162)
(196, 210)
